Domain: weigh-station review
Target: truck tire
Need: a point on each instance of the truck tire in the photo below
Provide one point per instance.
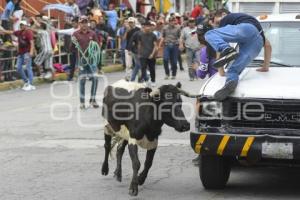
(214, 171)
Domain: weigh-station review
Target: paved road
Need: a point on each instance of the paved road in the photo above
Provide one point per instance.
(49, 149)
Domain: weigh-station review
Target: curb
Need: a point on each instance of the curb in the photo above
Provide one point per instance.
(58, 77)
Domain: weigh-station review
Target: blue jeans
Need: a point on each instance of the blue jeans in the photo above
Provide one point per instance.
(27, 60)
(90, 73)
(190, 58)
(246, 36)
(137, 67)
(171, 53)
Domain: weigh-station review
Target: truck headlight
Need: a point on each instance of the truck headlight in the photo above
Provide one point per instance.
(212, 110)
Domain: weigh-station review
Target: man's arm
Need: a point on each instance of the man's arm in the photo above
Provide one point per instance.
(267, 57)
(154, 50)
(182, 41)
(6, 32)
(31, 47)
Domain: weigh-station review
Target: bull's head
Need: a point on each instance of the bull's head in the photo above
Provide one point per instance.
(168, 98)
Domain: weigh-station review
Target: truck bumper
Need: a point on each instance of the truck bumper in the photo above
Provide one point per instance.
(247, 146)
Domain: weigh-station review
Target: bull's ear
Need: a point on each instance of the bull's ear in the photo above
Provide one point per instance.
(178, 85)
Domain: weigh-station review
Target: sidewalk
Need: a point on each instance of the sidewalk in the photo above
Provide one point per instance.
(63, 76)
(58, 77)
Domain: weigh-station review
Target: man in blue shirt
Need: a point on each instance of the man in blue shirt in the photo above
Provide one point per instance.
(247, 32)
(7, 17)
(112, 16)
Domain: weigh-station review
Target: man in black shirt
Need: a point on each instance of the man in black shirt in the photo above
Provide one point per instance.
(247, 32)
(129, 54)
(147, 47)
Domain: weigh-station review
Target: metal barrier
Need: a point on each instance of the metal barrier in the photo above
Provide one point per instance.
(8, 67)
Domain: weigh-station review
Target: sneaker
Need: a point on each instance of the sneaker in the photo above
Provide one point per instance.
(82, 106)
(192, 79)
(167, 77)
(26, 87)
(226, 56)
(182, 69)
(173, 77)
(153, 84)
(223, 93)
(94, 104)
(32, 87)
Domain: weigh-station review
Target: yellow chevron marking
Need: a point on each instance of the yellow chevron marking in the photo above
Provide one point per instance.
(223, 145)
(199, 143)
(247, 146)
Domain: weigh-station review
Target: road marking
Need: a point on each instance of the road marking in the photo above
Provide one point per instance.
(223, 145)
(199, 143)
(247, 146)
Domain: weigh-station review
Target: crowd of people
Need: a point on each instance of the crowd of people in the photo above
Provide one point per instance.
(114, 30)
(140, 39)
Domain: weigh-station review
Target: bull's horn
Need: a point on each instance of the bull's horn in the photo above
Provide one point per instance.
(155, 92)
(187, 94)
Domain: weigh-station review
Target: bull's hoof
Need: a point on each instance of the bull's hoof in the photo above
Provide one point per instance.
(142, 179)
(105, 169)
(133, 190)
(118, 175)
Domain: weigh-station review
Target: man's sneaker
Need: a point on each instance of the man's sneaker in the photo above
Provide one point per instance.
(223, 93)
(94, 104)
(153, 84)
(167, 77)
(226, 56)
(32, 87)
(192, 79)
(173, 77)
(26, 87)
(82, 106)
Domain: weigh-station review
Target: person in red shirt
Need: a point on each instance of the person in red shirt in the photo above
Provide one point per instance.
(152, 15)
(197, 11)
(87, 70)
(25, 53)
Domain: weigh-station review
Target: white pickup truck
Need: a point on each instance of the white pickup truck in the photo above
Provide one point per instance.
(260, 122)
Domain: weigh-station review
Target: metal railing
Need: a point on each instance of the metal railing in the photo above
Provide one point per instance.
(8, 64)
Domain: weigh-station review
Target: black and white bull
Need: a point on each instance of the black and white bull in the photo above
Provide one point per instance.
(137, 114)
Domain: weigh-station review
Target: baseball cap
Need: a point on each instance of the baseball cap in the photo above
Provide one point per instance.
(83, 18)
(147, 23)
(24, 22)
(131, 19)
(177, 15)
(153, 23)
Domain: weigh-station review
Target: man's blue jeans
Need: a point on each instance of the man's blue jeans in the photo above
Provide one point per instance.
(25, 59)
(246, 36)
(171, 53)
(137, 67)
(88, 72)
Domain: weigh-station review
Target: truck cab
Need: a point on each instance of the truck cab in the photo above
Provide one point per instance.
(260, 122)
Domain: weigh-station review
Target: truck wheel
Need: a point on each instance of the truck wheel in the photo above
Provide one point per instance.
(214, 171)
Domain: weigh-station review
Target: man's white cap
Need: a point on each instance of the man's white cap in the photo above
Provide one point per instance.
(131, 19)
(24, 22)
(153, 23)
(177, 15)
